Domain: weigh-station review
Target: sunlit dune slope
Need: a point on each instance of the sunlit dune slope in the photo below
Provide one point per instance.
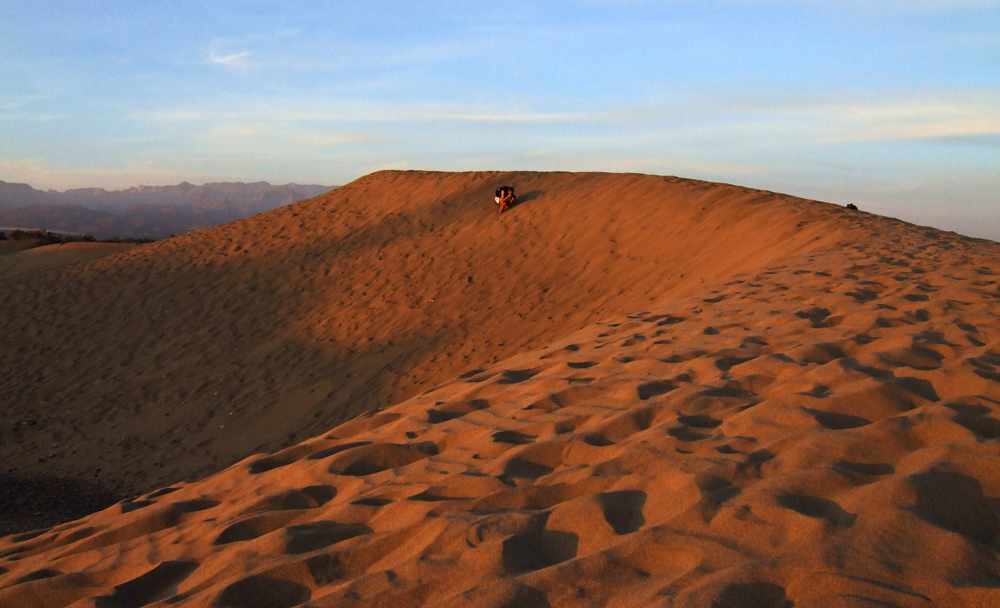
(175, 359)
(818, 432)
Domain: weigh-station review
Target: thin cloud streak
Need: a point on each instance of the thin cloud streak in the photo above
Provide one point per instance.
(233, 59)
(359, 112)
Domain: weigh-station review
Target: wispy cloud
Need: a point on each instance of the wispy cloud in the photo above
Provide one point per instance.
(896, 116)
(233, 59)
(810, 117)
(901, 122)
(736, 121)
(292, 111)
(230, 52)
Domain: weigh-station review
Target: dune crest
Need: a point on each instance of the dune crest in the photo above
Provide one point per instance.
(815, 425)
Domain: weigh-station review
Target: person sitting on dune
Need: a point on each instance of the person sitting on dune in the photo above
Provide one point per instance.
(505, 197)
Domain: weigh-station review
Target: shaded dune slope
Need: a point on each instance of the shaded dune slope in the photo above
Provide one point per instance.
(818, 432)
(178, 358)
(20, 264)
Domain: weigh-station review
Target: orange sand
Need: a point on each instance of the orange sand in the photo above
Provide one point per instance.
(179, 358)
(771, 402)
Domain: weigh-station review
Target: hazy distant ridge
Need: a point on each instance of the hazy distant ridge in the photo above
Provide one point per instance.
(144, 211)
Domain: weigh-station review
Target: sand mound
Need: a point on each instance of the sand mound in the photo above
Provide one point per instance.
(173, 360)
(20, 264)
(818, 432)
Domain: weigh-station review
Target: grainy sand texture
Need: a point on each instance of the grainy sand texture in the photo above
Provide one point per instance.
(628, 390)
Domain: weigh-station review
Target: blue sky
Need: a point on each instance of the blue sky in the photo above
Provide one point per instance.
(889, 104)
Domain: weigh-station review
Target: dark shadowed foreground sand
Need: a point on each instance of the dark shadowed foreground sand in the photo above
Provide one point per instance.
(703, 396)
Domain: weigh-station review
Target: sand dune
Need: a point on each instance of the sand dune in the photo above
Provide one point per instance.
(176, 359)
(54, 256)
(771, 402)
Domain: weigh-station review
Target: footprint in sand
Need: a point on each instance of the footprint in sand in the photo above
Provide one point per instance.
(372, 502)
(732, 390)
(818, 317)
(255, 527)
(597, 440)
(986, 366)
(37, 575)
(513, 437)
(327, 452)
(626, 424)
(684, 356)
(863, 295)
(516, 376)
(915, 357)
(135, 505)
(686, 434)
(160, 583)
(564, 398)
(522, 468)
(375, 458)
(307, 498)
(538, 548)
(261, 592)
(280, 459)
(820, 391)
(874, 469)
(648, 390)
(667, 320)
(571, 348)
(819, 508)
(955, 501)
(455, 409)
(727, 363)
(714, 492)
(752, 595)
(623, 510)
(320, 535)
(836, 421)
(699, 421)
(754, 462)
(976, 418)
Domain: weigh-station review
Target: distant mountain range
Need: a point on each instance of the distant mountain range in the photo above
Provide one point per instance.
(143, 211)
